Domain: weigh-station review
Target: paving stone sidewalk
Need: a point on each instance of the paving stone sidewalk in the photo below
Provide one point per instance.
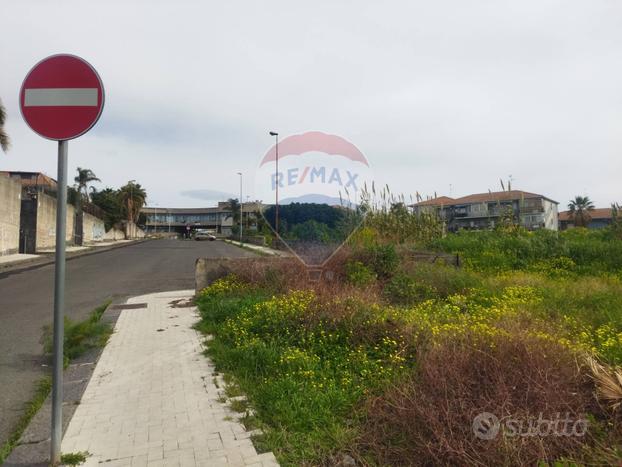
(152, 400)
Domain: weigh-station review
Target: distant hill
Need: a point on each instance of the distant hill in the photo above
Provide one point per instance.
(318, 199)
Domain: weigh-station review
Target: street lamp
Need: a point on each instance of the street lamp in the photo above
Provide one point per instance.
(248, 201)
(276, 179)
(155, 217)
(130, 201)
(241, 207)
(130, 211)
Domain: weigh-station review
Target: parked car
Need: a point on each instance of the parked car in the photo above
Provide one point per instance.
(204, 235)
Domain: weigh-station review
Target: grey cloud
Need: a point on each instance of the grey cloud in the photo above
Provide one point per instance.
(210, 195)
(433, 93)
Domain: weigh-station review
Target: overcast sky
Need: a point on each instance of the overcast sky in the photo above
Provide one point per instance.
(435, 93)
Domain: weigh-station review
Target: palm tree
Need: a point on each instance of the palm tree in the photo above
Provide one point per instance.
(4, 138)
(132, 197)
(580, 208)
(84, 177)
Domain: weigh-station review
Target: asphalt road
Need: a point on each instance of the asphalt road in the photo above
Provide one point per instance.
(26, 301)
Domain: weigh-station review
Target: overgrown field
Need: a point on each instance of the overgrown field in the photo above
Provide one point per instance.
(390, 362)
(575, 251)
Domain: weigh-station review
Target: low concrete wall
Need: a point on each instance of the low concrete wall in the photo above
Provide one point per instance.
(207, 270)
(10, 205)
(434, 257)
(92, 228)
(133, 231)
(114, 234)
(46, 222)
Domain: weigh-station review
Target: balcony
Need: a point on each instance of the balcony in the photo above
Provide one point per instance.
(496, 212)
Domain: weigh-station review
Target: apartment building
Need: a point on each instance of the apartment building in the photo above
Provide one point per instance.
(485, 210)
(218, 218)
(599, 219)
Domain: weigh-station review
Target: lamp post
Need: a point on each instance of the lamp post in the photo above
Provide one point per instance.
(248, 201)
(155, 217)
(276, 179)
(130, 210)
(241, 207)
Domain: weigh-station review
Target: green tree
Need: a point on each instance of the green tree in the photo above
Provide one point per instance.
(234, 205)
(4, 138)
(132, 197)
(311, 231)
(616, 220)
(580, 208)
(293, 214)
(109, 201)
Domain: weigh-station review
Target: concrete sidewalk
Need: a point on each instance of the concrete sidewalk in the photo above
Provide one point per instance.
(153, 398)
(46, 256)
(259, 249)
(16, 258)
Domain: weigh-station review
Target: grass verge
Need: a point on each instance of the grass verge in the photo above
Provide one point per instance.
(303, 373)
(79, 337)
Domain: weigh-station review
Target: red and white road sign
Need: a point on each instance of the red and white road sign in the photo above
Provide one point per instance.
(62, 97)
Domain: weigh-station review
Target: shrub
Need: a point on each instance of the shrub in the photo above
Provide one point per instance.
(561, 266)
(406, 290)
(358, 274)
(382, 259)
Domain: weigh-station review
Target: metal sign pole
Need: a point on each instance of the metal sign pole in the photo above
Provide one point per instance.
(59, 303)
(241, 209)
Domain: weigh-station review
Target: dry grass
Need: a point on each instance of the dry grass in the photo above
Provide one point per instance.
(427, 418)
(608, 383)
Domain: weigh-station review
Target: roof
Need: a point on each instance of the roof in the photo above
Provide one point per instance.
(30, 178)
(598, 213)
(222, 207)
(188, 211)
(441, 200)
(483, 198)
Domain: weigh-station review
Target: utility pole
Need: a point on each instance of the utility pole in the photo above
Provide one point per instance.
(247, 213)
(276, 179)
(241, 207)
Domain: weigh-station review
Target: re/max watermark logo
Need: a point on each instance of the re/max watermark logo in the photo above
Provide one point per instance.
(321, 174)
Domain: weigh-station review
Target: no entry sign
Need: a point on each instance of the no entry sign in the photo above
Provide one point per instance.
(62, 97)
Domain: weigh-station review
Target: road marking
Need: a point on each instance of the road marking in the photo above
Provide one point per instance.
(61, 97)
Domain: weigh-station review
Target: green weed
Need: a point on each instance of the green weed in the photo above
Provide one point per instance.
(43, 389)
(74, 458)
(80, 336)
